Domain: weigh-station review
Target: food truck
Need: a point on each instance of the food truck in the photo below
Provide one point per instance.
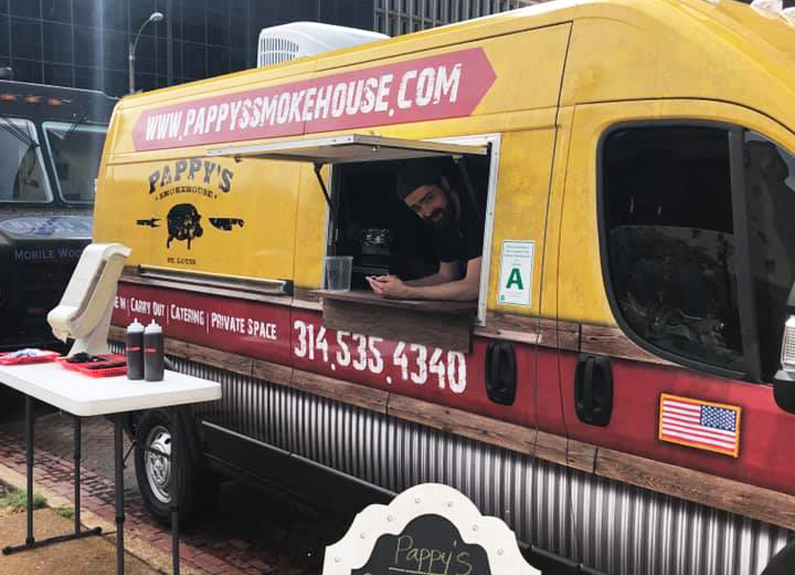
(618, 393)
(51, 141)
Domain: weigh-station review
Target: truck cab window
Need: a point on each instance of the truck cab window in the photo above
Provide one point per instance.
(22, 178)
(770, 192)
(76, 152)
(667, 219)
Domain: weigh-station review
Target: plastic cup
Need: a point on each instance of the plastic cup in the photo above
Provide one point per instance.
(338, 273)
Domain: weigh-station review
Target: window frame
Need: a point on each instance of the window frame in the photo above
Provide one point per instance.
(746, 303)
(492, 142)
(92, 127)
(35, 135)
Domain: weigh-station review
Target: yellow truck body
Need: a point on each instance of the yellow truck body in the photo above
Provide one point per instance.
(211, 185)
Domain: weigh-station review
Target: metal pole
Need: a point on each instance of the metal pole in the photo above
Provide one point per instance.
(170, 46)
(119, 465)
(131, 68)
(153, 17)
(30, 540)
(175, 444)
(77, 474)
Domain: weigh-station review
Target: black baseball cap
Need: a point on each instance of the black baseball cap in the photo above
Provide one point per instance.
(421, 172)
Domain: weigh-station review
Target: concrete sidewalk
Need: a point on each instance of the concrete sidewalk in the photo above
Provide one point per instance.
(142, 539)
(292, 544)
(86, 556)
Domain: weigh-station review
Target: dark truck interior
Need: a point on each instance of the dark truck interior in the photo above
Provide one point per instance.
(375, 227)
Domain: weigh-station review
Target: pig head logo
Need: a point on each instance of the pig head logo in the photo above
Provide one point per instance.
(183, 224)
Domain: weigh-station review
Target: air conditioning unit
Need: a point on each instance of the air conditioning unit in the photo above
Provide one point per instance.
(298, 39)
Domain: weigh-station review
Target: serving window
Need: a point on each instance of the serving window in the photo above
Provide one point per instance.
(372, 224)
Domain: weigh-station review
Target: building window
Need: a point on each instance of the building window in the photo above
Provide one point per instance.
(58, 74)
(25, 8)
(5, 47)
(86, 12)
(27, 70)
(86, 42)
(26, 38)
(88, 77)
(194, 59)
(57, 43)
(217, 60)
(57, 10)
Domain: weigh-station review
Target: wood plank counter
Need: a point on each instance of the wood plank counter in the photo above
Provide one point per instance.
(444, 324)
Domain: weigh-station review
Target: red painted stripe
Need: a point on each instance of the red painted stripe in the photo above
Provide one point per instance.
(682, 417)
(674, 409)
(699, 427)
(706, 442)
(682, 405)
(697, 436)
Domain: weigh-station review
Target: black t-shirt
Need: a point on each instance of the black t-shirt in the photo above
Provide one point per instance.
(464, 240)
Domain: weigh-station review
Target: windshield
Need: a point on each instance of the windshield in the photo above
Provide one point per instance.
(21, 176)
(76, 151)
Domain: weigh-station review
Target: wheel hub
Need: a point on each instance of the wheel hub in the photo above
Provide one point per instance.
(158, 467)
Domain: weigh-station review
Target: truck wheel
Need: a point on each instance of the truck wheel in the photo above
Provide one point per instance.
(197, 489)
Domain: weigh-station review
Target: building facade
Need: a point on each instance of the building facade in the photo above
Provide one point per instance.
(396, 17)
(84, 43)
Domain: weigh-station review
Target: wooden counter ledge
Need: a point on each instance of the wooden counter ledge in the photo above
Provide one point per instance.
(445, 324)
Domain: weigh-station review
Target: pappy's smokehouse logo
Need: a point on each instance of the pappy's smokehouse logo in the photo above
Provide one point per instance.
(183, 224)
(429, 545)
(419, 533)
(185, 179)
(191, 176)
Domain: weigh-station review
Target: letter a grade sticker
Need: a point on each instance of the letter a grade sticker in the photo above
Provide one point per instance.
(516, 272)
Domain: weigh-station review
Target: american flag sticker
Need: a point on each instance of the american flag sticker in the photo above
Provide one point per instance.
(700, 424)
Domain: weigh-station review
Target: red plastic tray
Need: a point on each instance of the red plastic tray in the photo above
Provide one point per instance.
(95, 368)
(44, 355)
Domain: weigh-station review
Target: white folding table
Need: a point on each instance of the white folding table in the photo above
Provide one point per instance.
(83, 396)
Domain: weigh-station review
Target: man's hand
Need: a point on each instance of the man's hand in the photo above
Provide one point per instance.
(389, 286)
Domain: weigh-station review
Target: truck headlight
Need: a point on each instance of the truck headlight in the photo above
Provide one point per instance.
(788, 346)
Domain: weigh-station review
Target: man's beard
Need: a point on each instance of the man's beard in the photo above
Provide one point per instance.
(441, 220)
(445, 230)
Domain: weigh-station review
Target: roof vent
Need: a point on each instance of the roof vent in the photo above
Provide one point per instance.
(298, 39)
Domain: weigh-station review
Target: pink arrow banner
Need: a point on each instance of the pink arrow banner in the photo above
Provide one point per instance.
(444, 86)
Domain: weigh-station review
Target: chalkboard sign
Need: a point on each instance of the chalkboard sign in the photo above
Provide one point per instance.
(429, 545)
(430, 529)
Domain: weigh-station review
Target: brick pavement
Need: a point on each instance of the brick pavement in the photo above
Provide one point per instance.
(286, 542)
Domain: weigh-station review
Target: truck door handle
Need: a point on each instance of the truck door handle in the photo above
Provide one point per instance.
(593, 389)
(501, 372)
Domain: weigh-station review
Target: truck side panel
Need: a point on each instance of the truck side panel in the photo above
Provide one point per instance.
(639, 377)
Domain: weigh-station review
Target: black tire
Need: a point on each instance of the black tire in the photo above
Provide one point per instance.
(783, 563)
(197, 489)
